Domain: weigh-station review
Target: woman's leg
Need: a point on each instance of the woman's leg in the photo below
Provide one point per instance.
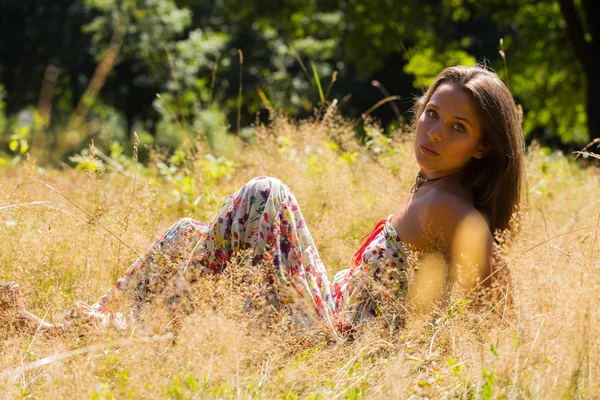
(14, 312)
(149, 275)
(263, 217)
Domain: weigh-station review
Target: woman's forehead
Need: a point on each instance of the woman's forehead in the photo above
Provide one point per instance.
(453, 100)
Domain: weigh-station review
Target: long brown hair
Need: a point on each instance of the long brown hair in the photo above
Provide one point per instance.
(496, 179)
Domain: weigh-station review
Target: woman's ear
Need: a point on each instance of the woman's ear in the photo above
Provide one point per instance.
(481, 152)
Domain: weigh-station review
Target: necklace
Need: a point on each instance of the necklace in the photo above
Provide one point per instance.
(419, 181)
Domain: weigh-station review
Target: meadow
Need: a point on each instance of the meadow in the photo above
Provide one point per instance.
(67, 233)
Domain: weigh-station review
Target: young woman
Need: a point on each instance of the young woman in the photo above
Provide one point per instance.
(469, 147)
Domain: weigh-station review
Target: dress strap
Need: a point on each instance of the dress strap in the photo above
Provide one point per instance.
(356, 260)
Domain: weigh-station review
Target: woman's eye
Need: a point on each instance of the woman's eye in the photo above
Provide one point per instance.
(459, 127)
(432, 114)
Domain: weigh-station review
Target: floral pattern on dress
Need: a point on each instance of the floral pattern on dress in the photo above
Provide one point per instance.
(264, 218)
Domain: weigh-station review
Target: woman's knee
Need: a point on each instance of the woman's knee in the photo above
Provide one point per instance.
(266, 185)
(182, 226)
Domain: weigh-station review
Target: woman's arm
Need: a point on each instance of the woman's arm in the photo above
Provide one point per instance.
(463, 231)
(471, 252)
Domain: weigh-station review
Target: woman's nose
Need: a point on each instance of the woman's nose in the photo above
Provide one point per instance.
(435, 132)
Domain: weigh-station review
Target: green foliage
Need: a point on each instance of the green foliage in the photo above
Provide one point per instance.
(192, 181)
(87, 162)
(187, 52)
(318, 82)
(456, 368)
(493, 349)
(457, 307)
(487, 390)
(20, 133)
(357, 392)
(115, 379)
(18, 141)
(150, 28)
(544, 73)
(426, 62)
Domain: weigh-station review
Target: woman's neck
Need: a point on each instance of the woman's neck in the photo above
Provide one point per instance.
(431, 175)
(452, 178)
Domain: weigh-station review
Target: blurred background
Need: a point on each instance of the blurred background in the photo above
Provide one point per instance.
(177, 70)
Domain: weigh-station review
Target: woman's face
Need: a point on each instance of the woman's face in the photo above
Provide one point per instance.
(448, 133)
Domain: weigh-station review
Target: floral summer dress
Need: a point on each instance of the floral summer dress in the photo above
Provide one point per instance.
(263, 217)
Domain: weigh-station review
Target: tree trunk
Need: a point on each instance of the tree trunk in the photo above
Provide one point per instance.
(587, 48)
(593, 105)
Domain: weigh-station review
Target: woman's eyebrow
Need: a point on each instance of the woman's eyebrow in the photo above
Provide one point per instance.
(464, 120)
(455, 117)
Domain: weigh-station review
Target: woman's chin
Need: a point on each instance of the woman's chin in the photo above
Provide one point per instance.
(424, 163)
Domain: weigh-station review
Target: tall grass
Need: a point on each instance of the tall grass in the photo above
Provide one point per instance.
(546, 346)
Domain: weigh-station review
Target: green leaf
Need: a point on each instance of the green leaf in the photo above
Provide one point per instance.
(493, 349)
(24, 146)
(318, 82)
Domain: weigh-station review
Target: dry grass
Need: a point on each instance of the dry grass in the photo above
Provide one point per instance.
(547, 348)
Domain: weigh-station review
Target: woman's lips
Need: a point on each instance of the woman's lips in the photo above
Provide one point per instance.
(428, 151)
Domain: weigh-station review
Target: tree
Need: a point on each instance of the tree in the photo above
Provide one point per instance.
(187, 50)
(544, 73)
(152, 29)
(36, 34)
(584, 32)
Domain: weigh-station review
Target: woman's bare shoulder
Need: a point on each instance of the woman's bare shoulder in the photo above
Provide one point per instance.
(446, 211)
(444, 202)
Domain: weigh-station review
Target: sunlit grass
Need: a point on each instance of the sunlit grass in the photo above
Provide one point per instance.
(546, 346)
